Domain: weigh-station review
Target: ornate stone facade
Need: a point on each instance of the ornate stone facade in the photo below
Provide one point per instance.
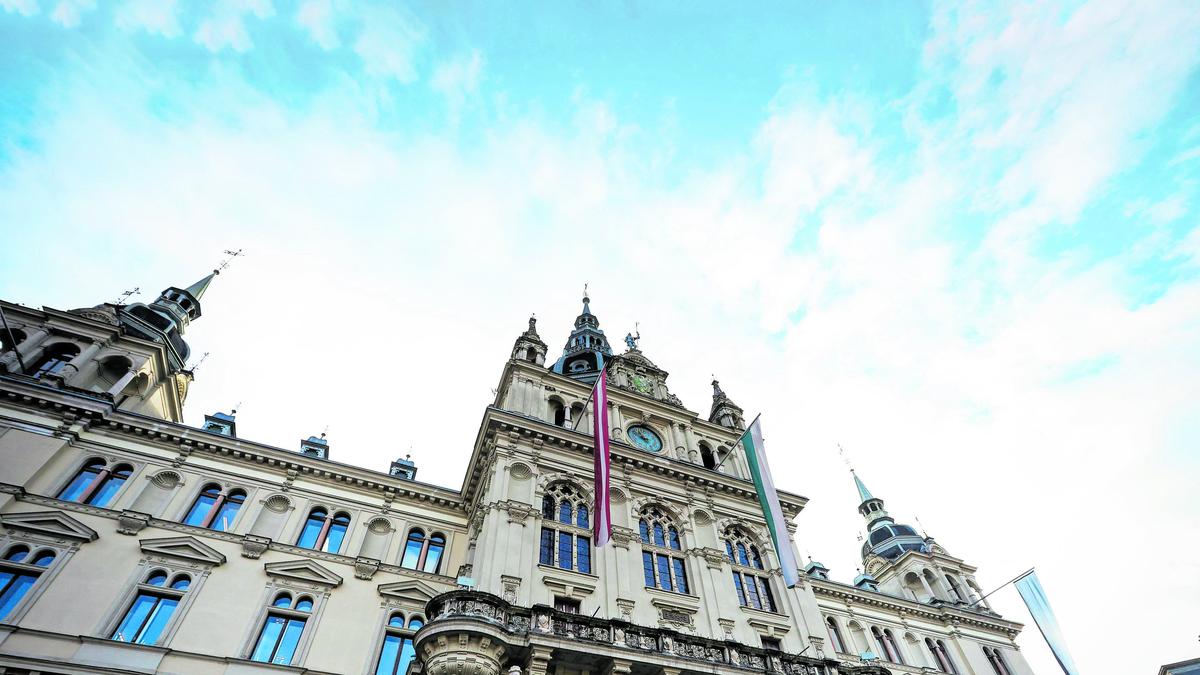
(496, 576)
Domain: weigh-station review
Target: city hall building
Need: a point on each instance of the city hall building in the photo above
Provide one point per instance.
(132, 543)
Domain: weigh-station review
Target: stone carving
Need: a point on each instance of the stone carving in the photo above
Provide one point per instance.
(511, 586)
(132, 522)
(253, 546)
(365, 568)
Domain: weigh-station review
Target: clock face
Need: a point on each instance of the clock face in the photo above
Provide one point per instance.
(642, 437)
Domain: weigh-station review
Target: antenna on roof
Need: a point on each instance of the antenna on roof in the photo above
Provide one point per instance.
(923, 533)
(126, 295)
(225, 262)
(199, 363)
(235, 408)
(842, 453)
(325, 431)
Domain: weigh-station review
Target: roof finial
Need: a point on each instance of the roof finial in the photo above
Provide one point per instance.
(126, 295)
(196, 367)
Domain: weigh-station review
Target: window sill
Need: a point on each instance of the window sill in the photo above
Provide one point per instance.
(763, 613)
(568, 583)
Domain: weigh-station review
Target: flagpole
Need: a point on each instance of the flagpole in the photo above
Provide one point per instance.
(1011, 581)
(739, 440)
(13, 340)
(591, 393)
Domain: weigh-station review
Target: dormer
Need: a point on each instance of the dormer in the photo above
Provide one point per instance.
(316, 447)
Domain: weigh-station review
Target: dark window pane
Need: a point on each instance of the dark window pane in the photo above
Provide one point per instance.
(752, 592)
(673, 538)
(742, 558)
(583, 554)
(564, 550)
(547, 549)
(737, 584)
(680, 575)
(548, 507)
(729, 550)
(659, 537)
(768, 599)
(644, 530)
(564, 512)
(648, 568)
(664, 572)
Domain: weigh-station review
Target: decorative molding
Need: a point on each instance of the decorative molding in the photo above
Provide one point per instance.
(132, 522)
(51, 523)
(186, 548)
(365, 568)
(303, 570)
(410, 591)
(254, 546)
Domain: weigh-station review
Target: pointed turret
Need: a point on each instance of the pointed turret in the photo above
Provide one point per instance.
(884, 537)
(529, 346)
(724, 411)
(586, 350)
(167, 318)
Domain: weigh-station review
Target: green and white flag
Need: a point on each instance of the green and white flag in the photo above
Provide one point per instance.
(764, 485)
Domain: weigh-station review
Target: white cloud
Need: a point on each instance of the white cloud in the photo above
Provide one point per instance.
(317, 17)
(226, 26)
(389, 43)
(457, 80)
(68, 13)
(22, 7)
(159, 17)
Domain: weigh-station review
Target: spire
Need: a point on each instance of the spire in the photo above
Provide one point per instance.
(587, 349)
(724, 411)
(863, 493)
(529, 346)
(197, 289)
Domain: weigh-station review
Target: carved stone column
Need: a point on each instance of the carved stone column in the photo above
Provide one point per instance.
(81, 365)
(26, 349)
(538, 661)
(464, 653)
(619, 667)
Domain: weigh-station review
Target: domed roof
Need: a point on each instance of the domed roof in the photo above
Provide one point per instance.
(891, 541)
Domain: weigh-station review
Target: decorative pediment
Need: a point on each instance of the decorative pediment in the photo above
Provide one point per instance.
(49, 523)
(411, 591)
(187, 548)
(303, 570)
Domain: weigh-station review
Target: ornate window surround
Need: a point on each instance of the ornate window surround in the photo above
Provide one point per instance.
(172, 555)
(42, 530)
(298, 577)
(202, 482)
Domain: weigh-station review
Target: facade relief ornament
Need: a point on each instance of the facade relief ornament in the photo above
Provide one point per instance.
(254, 546)
(132, 522)
(365, 568)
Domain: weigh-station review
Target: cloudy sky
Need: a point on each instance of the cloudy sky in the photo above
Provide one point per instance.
(959, 240)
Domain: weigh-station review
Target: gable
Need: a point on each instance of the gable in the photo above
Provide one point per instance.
(50, 523)
(187, 548)
(302, 570)
(413, 591)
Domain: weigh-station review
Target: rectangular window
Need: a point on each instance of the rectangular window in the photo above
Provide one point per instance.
(648, 568)
(13, 587)
(146, 619)
(547, 551)
(568, 605)
(278, 640)
(564, 550)
(768, 599)
(583, 554)
(752, 592)
(771, 644)
(737, 583)
(681, 582)
(664, 572)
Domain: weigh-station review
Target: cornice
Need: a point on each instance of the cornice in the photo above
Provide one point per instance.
(941, 614)
(100, 417)
(500, 423)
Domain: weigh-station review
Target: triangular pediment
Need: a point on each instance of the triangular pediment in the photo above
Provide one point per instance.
(188, 548)
(50, 523)
(303, 570)
(413, 591)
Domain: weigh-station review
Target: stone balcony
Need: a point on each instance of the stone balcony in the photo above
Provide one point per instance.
(474, 633)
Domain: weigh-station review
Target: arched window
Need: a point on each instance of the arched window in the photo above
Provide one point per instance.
(324, 532)
(215, 509)
(147, 618)
(663, 565)
(707, 456)
(996, 659)
(558, 413)
(566, 540)
(835, 635)
(95, 483)
(753, 589)
(397, 651)
(423, 553)
(938, 649)
(53, 359)
(281, 632)
(576, 415)
(955, 589)
(19, 571)
(893, 649)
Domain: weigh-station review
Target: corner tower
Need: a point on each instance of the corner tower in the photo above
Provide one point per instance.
(586, 350)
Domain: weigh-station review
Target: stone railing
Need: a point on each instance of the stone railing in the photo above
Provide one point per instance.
(530, 622)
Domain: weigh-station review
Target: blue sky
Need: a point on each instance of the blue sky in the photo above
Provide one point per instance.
(960, 239)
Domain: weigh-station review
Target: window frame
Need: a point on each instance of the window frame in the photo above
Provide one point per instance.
(109, 466)
(165, 591)
(135, 584)
(426, 538)
(660, 522)
(407, 634)
(224, 492)
(331, 516)
(741, 544)
(318, 594)
(22, 569)
(555, 496)
(45, 577)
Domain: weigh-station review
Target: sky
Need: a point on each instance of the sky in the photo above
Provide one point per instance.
(958, 239)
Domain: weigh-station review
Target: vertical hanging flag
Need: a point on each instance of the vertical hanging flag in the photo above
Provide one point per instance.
(756, 457)
(1035, 599)
(603, 517)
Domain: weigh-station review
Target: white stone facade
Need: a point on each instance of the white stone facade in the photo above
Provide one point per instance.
(321, 549)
